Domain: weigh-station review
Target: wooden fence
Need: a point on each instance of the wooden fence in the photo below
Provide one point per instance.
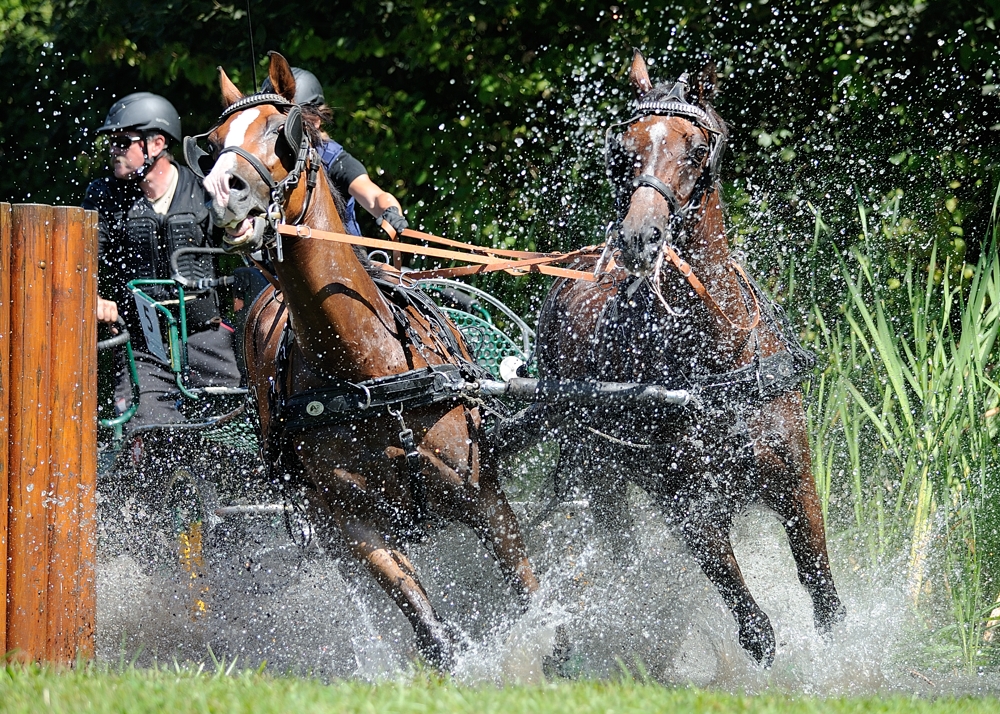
(48, 435)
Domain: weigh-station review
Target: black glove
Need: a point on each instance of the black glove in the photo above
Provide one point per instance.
(394, 218)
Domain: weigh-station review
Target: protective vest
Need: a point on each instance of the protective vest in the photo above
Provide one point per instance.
(136, 242)
(329, 152)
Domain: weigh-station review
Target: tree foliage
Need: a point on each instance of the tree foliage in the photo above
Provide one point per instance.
(487, 118)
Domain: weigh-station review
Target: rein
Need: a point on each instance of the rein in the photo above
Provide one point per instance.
(483, 263)
(684, 268)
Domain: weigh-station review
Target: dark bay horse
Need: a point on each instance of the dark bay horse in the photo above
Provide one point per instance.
(697, 322)
(354, 383)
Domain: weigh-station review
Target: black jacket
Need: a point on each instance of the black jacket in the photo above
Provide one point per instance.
(136, 242)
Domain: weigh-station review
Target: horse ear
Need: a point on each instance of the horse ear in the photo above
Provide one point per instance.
(230, 93)
(706, 84)
(281, 76)
(638, 75)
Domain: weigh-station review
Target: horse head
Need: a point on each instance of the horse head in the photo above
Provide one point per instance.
(664, 164)
(259, 152)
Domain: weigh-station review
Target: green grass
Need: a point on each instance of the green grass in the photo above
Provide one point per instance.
(92, 689)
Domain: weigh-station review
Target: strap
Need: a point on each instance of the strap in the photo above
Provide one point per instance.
(253, 161)
(684, 268)
(344, 402)
(540, 265)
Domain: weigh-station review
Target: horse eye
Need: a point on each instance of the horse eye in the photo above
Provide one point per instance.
(698, 154)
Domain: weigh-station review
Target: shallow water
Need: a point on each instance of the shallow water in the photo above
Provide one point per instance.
(267, 600)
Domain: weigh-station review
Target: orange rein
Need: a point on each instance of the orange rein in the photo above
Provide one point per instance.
(485, 260)
(699, 287)
(515, 262)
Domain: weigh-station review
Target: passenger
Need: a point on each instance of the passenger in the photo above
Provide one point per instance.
(147, 209)
(347, 175)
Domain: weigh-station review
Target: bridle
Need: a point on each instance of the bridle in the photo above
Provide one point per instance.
(675, 103)
(296, 139)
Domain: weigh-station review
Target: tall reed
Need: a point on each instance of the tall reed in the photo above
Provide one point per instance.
(904, 421)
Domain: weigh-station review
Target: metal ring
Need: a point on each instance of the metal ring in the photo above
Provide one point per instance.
(368, 396)
(307, 234)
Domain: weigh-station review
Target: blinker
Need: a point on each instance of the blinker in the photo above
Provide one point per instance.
(292, 130)
(197, 159)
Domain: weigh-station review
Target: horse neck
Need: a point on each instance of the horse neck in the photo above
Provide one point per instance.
(342, 324)
(707, 248)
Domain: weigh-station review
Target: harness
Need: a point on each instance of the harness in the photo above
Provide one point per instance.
(763, 378)
(344, 402)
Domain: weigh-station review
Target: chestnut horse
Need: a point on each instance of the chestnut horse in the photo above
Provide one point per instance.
(697, 323)
(354, 385)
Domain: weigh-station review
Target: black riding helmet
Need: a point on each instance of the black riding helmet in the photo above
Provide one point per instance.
(308, 90)
(145, 112)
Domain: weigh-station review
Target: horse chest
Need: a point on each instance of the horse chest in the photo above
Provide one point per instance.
(638, 341)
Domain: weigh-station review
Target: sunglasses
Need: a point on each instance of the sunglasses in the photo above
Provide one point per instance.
(122, 143)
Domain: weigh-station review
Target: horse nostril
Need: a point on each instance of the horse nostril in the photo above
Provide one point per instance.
(237, 184)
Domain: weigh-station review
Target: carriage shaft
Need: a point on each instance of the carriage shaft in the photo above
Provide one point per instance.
(584, 391)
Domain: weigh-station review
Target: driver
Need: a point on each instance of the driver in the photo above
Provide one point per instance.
(347, 175)
(148, 208)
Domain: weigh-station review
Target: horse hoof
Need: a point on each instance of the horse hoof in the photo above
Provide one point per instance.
(440, 647)
(758, 641)
(832, 613)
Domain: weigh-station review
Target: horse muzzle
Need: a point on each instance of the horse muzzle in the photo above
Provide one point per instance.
(639, 249)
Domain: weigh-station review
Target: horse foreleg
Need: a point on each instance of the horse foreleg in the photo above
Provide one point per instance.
(711, 546)
(395, 574)
(784, 463)
(799, 509)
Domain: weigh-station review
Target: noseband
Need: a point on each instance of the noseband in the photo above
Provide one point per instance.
(295, 137)
(675, 103)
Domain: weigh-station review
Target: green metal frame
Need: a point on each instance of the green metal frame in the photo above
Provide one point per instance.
(116, 423)
(177, 334)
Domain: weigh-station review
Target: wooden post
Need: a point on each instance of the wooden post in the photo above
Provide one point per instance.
(48, 407)
(73, 408)
(87, 579)
(5, 228)
(28, 458)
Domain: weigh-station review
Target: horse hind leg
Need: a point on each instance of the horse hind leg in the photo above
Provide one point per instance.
(710, 545)
(489, 515)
